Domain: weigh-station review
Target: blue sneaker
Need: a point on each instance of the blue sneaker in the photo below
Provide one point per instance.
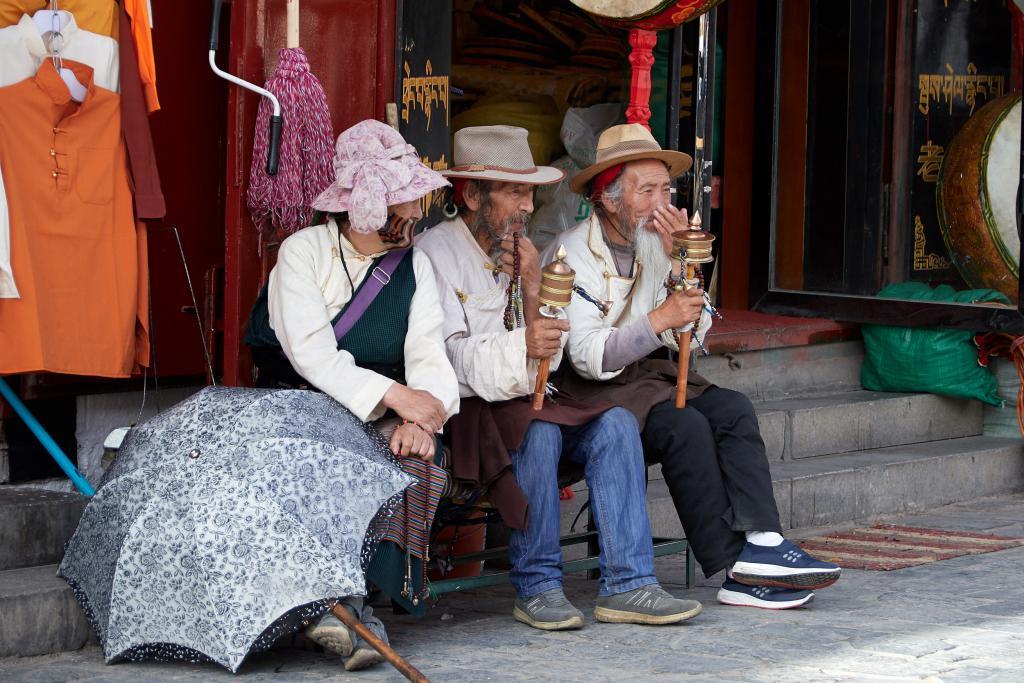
(765, 597)
(783, 566)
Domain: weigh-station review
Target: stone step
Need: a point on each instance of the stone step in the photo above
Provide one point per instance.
(849, 487)
(35, 525)
(776, 373)
(805, 427)
(38, 613)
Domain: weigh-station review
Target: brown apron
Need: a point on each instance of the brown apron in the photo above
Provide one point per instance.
(638, 388)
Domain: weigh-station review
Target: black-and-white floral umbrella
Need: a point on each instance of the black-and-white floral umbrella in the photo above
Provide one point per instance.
(228, 521)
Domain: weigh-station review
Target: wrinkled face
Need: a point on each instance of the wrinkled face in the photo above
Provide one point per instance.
(506, 208)
(646, 185)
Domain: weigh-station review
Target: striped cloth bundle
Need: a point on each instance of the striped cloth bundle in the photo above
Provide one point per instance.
(409, 526)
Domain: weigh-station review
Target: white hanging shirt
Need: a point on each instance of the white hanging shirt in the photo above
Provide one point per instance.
(489, 361)
(22, 50)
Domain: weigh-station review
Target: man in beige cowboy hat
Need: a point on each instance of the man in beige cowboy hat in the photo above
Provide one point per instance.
(711, 451)
(489, 281)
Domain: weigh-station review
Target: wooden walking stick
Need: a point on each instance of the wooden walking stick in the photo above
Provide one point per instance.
(556, 287)
(396, 660)
(693, 248)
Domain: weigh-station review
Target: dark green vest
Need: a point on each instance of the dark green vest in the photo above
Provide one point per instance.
(377, 340)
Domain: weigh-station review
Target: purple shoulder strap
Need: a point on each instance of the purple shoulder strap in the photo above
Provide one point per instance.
(375, 281)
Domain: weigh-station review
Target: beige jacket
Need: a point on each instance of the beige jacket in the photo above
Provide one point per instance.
(489, 361)
(630, 297)
(308, 287)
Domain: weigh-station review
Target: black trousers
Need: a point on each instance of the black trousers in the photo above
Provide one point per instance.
(716, 469)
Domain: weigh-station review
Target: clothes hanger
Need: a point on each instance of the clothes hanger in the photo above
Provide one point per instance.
(51, 21)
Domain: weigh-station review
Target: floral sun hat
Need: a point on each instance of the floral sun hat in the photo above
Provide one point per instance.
(374, 168)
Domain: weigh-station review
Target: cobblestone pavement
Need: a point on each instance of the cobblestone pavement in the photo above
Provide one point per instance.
(957, 620)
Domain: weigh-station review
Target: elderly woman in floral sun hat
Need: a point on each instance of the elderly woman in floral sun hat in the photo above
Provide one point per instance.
(351, 309)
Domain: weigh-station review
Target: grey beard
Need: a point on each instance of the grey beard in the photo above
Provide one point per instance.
(494, 235)
(649, 250)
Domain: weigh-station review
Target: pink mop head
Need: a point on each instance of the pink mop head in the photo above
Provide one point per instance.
(282, 202)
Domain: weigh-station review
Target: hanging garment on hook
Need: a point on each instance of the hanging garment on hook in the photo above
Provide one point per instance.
(22, 50)
(97, 16)
(138, 10)
(73, 237)
(138, 138)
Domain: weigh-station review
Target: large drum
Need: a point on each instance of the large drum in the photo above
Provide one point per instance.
(976, 197)
(652, 15)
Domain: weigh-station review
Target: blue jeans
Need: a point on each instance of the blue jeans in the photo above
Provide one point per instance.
(609, 447)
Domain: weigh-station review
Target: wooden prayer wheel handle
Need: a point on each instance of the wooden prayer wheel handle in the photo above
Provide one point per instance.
(542, 383)
(385, 650)
(683, 371)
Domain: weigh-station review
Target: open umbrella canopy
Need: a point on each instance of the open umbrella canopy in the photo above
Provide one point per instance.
(228, 521)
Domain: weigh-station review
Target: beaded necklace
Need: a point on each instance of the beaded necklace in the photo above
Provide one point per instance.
(513, 317)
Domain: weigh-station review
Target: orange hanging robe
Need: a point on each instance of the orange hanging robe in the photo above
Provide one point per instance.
(73, 239)
(138, 10)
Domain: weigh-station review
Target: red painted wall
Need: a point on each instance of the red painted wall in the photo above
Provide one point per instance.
(351, 46)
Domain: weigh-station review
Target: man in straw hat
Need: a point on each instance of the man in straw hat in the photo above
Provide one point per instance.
(489, 279)
(711, 452)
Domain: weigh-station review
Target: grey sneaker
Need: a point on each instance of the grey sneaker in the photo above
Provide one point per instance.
(548, 611)
(332, 635)
(364, 656)
(645, 605)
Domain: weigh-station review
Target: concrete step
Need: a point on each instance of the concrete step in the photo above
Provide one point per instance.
(38, 613)
(35, 525)
(849, 487)
(805, 427)
(776, 373)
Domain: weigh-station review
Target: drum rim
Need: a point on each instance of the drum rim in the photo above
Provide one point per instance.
(661, 7)
(986, 202)
(985, 206)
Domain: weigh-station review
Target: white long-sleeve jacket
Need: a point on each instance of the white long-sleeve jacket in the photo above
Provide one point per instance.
(630, 298)
(308, 288)
(489, 361)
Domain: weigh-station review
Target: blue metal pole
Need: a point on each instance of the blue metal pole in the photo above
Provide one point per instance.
(80, 482)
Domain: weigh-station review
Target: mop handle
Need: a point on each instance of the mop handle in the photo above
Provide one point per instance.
(215, 27)
(274, 131)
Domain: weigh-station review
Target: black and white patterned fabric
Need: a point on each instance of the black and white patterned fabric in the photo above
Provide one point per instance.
(228, 521)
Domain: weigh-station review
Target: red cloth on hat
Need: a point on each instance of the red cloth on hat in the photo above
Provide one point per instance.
(602, 180)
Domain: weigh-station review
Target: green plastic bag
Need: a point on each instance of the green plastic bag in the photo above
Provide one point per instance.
(938, 361)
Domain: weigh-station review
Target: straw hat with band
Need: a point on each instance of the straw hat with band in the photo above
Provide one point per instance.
(629, 142)
(499, 153)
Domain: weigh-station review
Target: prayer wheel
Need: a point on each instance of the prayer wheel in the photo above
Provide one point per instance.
(556, 287)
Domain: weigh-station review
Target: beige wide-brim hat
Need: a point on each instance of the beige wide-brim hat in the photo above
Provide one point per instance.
(629, 142)
(499, 153)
